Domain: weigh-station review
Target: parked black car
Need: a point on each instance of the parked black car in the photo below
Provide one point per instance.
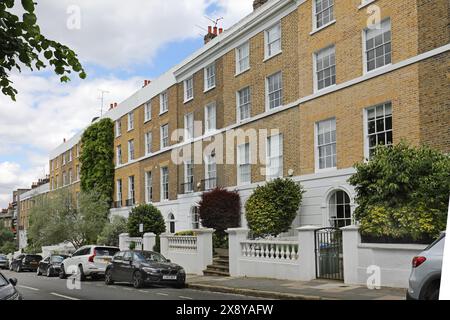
(8, 289)
(51, 266)
(144, 267)
(4, 262)
(24, 262)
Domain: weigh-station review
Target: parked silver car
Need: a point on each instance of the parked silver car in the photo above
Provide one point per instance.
(425, 279)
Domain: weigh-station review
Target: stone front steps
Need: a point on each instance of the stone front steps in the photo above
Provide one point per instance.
(220, 267)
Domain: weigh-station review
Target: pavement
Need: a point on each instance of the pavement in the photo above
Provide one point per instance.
(33, 287)
(292, 290)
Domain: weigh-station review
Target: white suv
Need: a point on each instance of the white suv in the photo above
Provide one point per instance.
(88, 261)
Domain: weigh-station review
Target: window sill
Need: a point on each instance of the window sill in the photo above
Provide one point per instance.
(365, 4)
(188, 100)
(272, 56)
(241, 72)
(129, 130)
(377, 69)
(325, 170)
(164, 112)
(208, 89)
(147, 120)
(322, 27)
(324, 89)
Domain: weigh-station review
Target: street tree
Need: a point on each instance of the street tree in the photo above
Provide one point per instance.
(23, 45)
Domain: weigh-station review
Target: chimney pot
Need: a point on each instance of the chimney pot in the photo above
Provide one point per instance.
(115, 105)
(215, 31)
(209, 29)
(220, 30)
(258, 3)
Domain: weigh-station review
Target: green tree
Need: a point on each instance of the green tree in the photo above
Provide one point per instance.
(6, 235)
(149, 216)
(111, 231)
(272, 208)
(56, 219)
(8, 247)
(403, 192)
(22, 44)
(97, 159)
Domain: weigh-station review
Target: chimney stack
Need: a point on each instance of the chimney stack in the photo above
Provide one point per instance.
(258, 3)
(146, 83)
(212, 33)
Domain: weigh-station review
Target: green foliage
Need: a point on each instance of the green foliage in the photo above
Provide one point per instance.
(6, 235)
(403, 191)
(186, 233)
(56, 219)
(132, 245)
(97, 159)
(272, 208)
(22, 44)
(8, 247)
(149, 216)
(157, 246)
(111, 231)
(220, 241)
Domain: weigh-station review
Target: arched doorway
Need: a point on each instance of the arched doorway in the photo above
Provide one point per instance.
(339, 209)
(171, 220)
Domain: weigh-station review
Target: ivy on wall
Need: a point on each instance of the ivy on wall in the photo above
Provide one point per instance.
(97, 159)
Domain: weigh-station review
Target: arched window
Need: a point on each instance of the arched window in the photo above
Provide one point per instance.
(171, 219)
(195, 218)
(340, 209)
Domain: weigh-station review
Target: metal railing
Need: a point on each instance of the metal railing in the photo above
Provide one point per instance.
(130, 202)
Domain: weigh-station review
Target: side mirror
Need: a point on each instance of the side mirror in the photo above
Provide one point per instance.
(168, 260)
(13, 281)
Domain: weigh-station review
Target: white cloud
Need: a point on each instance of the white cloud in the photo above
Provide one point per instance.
(118, 34)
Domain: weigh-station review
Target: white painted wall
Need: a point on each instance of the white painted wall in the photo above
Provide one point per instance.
(394, 260)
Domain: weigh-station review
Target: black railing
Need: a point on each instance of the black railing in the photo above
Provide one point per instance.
(208, 184)
(130, 202)
(187, 187)
(329, 254)
(118, 204)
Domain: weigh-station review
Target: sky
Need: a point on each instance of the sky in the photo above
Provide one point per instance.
(119, 43)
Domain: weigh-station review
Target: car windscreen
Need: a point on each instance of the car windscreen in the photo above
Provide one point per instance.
(33, 258)
(149, 256)
(58, 259)
(3, 281)
(105, 252)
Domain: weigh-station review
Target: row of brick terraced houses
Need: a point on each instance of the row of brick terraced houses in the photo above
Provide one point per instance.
(329, 81)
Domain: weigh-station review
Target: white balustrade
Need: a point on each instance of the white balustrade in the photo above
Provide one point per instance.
(182, 243)
(282, 251)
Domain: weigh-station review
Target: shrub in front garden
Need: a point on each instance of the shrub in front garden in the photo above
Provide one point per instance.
(149, 216)
(402, 192)
(272, 208)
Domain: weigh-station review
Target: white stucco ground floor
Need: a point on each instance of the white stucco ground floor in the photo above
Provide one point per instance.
(328, 201)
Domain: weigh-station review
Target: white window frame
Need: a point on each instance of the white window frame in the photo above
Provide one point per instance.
(78, 172)
(207, 77)
(240, 58)
(119, 189)
(164, 138)
(70, 155)
(70, 176)
(131, 192)
(239, 105)
(316, 146)
(163, 184)
(366, 125)
(269, 157)
(64, 159)
(118, 128)
(210, 159)
(189, 126)
(315, 28)
(364, 46)
(268, 93)
(119, 155)
(240, 164)
(148, 187)
(130, 120)
(267, 53)
(188, 165)
(316, 79)
(188, 91)
(131, 150)
(148, 111)
(208, 122)
(148, 139)
(163, 102)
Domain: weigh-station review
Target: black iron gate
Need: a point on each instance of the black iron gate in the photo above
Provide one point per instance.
(328, 248)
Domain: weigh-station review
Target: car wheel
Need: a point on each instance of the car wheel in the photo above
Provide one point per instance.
(433, 292)
(49, 272)
(109, 278)
(62, 273)
(80, 275)
(38, 271)
(138, 282)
